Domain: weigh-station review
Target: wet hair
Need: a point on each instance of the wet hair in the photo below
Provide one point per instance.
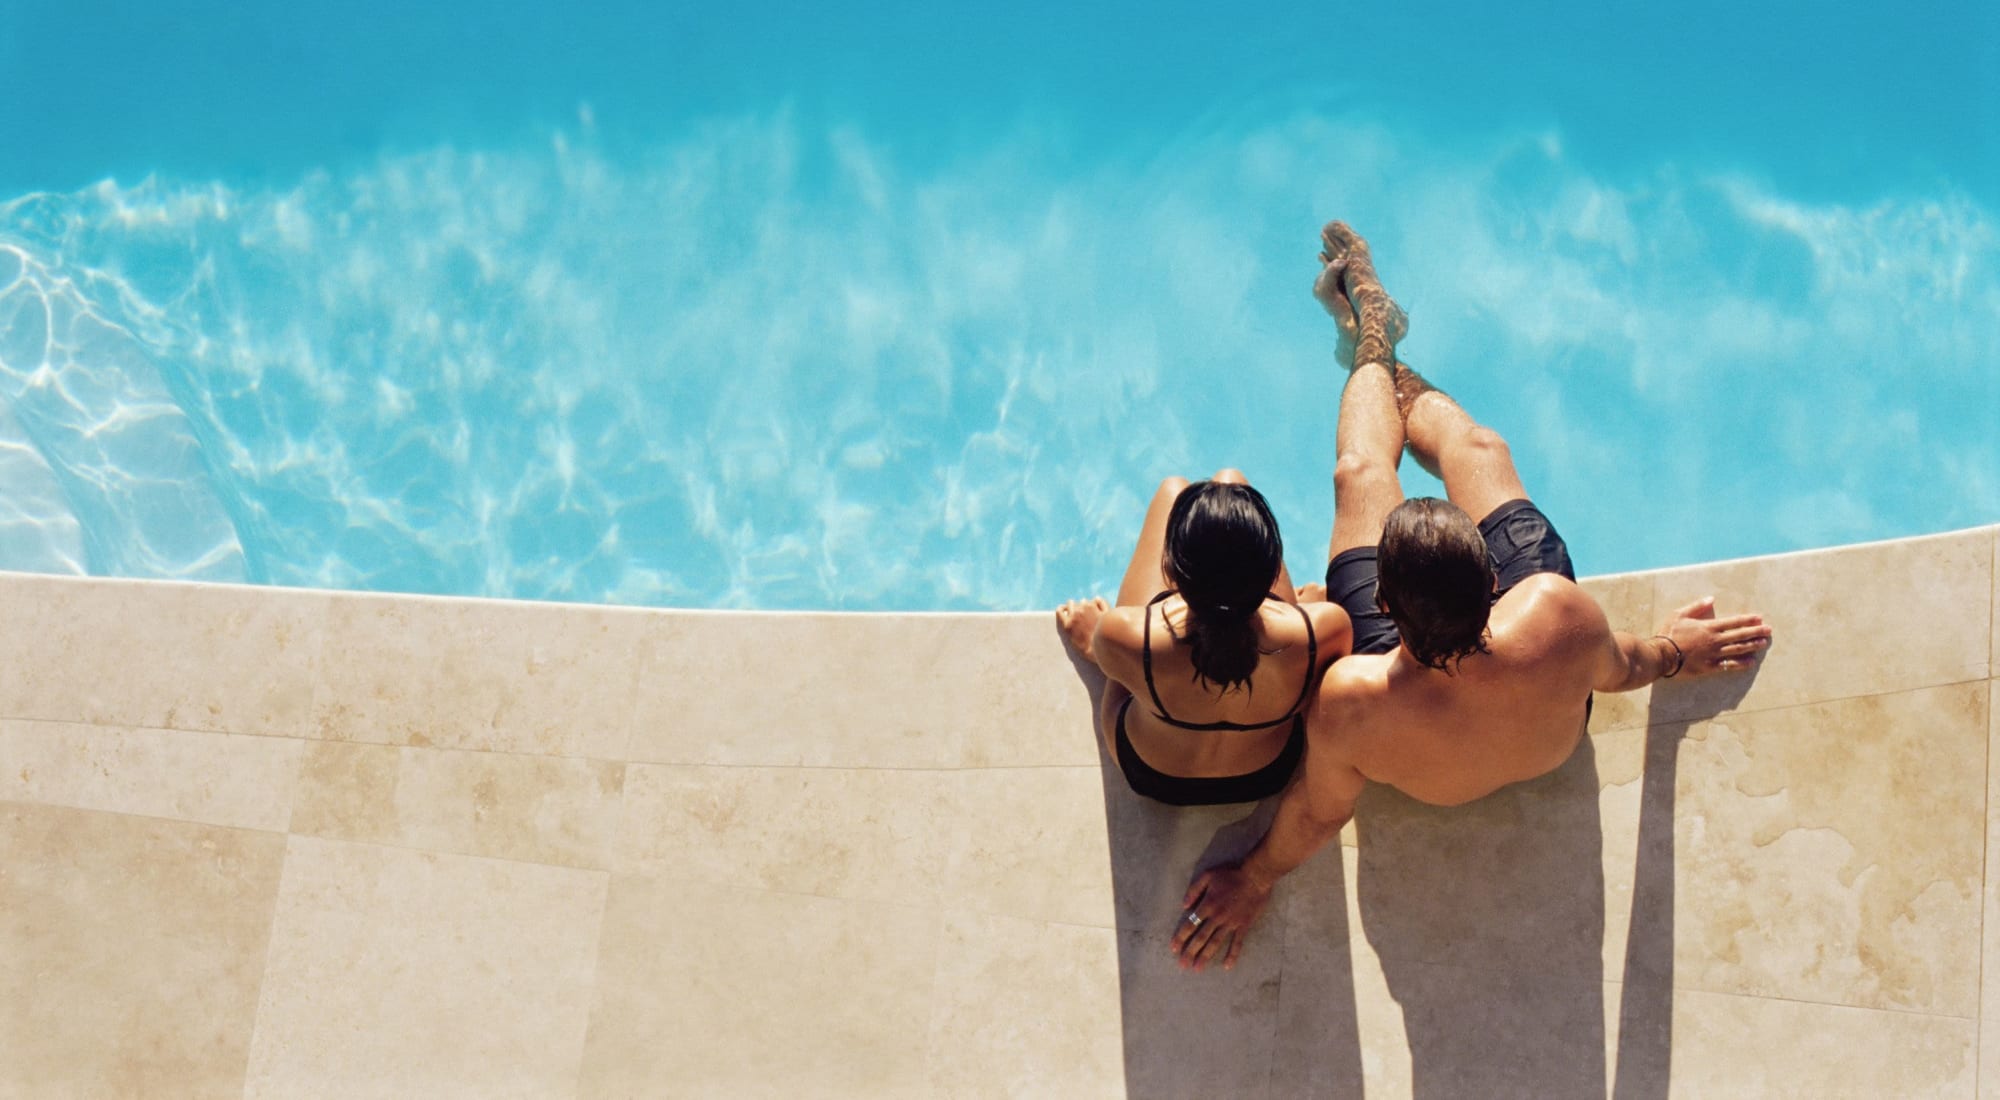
(1222, 554)
(1436, 579)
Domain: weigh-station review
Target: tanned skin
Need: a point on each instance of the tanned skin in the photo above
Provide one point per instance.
(1113, 638)
(1445, 737)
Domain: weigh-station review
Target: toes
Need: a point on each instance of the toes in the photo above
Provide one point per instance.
(1339, 238)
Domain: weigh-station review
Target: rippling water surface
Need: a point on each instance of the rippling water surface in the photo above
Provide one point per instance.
(783, 352)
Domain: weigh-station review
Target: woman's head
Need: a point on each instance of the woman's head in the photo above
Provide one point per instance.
(1436, 580)
(1222, 555)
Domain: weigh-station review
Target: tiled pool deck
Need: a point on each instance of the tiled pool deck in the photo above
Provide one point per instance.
(281, 843)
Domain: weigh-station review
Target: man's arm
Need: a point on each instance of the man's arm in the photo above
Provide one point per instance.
(1693, 642)
(1223, 902)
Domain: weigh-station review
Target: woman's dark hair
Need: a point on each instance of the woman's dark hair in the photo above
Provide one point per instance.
(1222, 554)
(1436, 579)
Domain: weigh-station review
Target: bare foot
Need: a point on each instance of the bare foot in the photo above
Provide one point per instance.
(1331, 290)
(1350, 290)
(1078, 620)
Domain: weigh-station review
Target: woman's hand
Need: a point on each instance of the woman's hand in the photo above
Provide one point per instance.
(1709, 644)
(1222, 903)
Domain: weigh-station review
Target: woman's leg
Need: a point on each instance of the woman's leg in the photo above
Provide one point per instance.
(1143, 577)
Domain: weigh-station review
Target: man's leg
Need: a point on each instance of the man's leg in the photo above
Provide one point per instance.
(1368, 443)
(1472, 460)
(1368, 437)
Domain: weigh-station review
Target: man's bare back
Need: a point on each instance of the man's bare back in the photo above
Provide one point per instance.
(1497, 718)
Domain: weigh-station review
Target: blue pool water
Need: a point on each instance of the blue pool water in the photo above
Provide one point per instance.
(808, 308)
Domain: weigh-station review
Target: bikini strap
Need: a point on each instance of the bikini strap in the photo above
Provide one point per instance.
(1312, 661)
(1146, 656)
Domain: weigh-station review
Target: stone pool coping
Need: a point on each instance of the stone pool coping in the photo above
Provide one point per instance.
(266, 841)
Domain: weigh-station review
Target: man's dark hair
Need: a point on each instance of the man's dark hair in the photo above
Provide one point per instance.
(1436, 579)
(1222, 554)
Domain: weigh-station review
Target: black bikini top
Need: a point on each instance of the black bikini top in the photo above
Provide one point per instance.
(1160, 709)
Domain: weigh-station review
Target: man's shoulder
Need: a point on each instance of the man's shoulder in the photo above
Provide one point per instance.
(1548, 614)
(1354, 684)
(1547, 597)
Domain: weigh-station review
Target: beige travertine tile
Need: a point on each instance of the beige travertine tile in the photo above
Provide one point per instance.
(1024, 1008)
(1627, 600)
(714, 991)
(780, 689)
(1989, 983)
(1468, 1031)
(537, 809)
(1355, 1024)
(1193, 1034)
(1328, 975)
(1861, 620)
(130, 950)
(1511, 882)
(1757, 1046)
(1033, 843)
(544, 679)
(400, 973)
(1627, 823)
(348, 791)
(166, 656)
(850, 833)
(216, 778)
(1833, 853)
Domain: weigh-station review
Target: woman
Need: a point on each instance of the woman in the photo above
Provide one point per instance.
(1211, 676)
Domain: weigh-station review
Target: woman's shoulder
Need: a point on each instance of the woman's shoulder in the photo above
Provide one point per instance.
(1122, 629)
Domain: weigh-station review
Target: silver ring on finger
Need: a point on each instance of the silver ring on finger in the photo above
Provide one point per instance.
(1194, 919)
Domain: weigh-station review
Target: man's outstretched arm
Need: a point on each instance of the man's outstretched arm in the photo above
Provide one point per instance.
(1223, 902)
(1693, 642)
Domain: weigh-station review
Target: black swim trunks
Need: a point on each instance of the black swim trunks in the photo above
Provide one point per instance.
(1519, 538)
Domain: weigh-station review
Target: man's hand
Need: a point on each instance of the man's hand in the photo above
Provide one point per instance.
(1222, 903)
(1709, 644)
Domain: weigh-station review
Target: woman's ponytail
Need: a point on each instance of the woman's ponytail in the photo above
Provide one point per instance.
(1222, 642)
(1222, 553)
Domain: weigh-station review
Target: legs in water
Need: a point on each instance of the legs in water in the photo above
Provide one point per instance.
(1368, 438)
(1337, 243)
(1472, 460)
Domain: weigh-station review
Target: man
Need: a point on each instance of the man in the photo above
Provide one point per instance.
(1475, 652)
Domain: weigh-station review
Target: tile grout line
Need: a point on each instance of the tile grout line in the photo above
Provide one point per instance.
(127, 727)
(1986, 836)
(1278, 1012)
(335, 839)
(590, 987)
(270, 945)
(1710, 991)
(1986, 889)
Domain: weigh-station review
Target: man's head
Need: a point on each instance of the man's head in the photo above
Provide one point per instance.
(1435, 580)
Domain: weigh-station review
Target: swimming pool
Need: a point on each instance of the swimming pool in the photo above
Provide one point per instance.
(780, 310)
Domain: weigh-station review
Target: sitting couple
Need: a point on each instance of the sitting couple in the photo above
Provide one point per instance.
(1457, 654)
